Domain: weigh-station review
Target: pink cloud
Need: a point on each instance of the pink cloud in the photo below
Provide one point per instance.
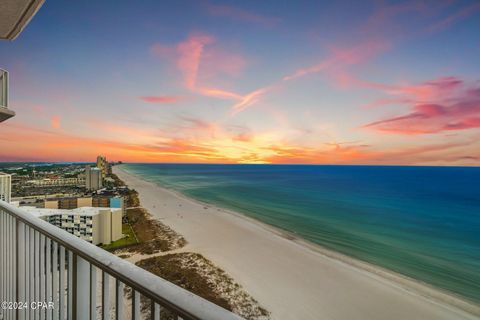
(239, 14)
(189, 56)
(442, 105)
(340, 59)
(430, 90)
(161, 99)
(385, 27)
(387, 101)
(199, 58)
(219, 61)
(427, 92)
(461, 14)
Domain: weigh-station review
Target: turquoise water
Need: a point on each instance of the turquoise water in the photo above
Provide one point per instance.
(423, 222)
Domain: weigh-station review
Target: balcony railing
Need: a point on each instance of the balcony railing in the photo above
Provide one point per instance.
(5, 113)
(40, 263)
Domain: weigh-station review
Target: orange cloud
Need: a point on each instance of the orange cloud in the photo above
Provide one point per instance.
(201, 141)
(219, 93)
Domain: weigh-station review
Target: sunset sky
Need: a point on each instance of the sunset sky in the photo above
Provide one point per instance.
(337, 82)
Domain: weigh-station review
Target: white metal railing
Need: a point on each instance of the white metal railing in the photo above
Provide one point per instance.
(3, 88)
(48, 273)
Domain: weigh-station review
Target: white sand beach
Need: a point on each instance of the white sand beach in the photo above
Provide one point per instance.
(289, 277)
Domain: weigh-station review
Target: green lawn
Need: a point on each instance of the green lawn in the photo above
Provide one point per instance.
(129, 239)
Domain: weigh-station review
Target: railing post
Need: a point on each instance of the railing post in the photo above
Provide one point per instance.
(81, 289)
(20, 256)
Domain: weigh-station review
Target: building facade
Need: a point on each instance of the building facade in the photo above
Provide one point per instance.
(93, 178)
(95, 225)
(79, 202)
(103, 165)
(5, 187)
(61, 182)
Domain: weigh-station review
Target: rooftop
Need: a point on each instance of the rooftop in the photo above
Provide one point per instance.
(83, 211)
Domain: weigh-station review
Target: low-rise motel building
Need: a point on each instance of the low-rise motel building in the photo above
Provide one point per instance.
(116, 202)
(58, 182)
(95, 225)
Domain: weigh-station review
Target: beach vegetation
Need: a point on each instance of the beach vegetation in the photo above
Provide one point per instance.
(195, 273)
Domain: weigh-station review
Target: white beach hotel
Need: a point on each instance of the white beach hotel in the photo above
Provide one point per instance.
(95, 225)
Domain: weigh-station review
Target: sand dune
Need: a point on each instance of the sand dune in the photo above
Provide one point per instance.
(290, 277)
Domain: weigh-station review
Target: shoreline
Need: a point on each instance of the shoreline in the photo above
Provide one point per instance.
(432, 297)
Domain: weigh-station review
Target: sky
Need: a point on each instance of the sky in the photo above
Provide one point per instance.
(327, 82)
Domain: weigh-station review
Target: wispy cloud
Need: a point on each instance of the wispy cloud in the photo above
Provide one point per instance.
(249, 99)
(189, 57)
(462, 14)
(342, 58)
(195, 54)
(427, 92)
(446, 104)
(162, 99)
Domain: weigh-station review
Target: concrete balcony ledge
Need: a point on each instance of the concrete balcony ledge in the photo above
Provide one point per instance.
(5, 113)
(15, 15)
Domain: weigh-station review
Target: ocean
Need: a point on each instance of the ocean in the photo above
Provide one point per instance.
(422, 222)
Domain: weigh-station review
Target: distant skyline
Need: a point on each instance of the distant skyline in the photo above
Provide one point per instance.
(349, 82)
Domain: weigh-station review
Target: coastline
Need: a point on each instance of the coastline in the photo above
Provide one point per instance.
(308, 281)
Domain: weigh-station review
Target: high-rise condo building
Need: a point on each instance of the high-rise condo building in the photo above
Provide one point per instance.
(5, 187)
(93, 178)
(103, 165)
